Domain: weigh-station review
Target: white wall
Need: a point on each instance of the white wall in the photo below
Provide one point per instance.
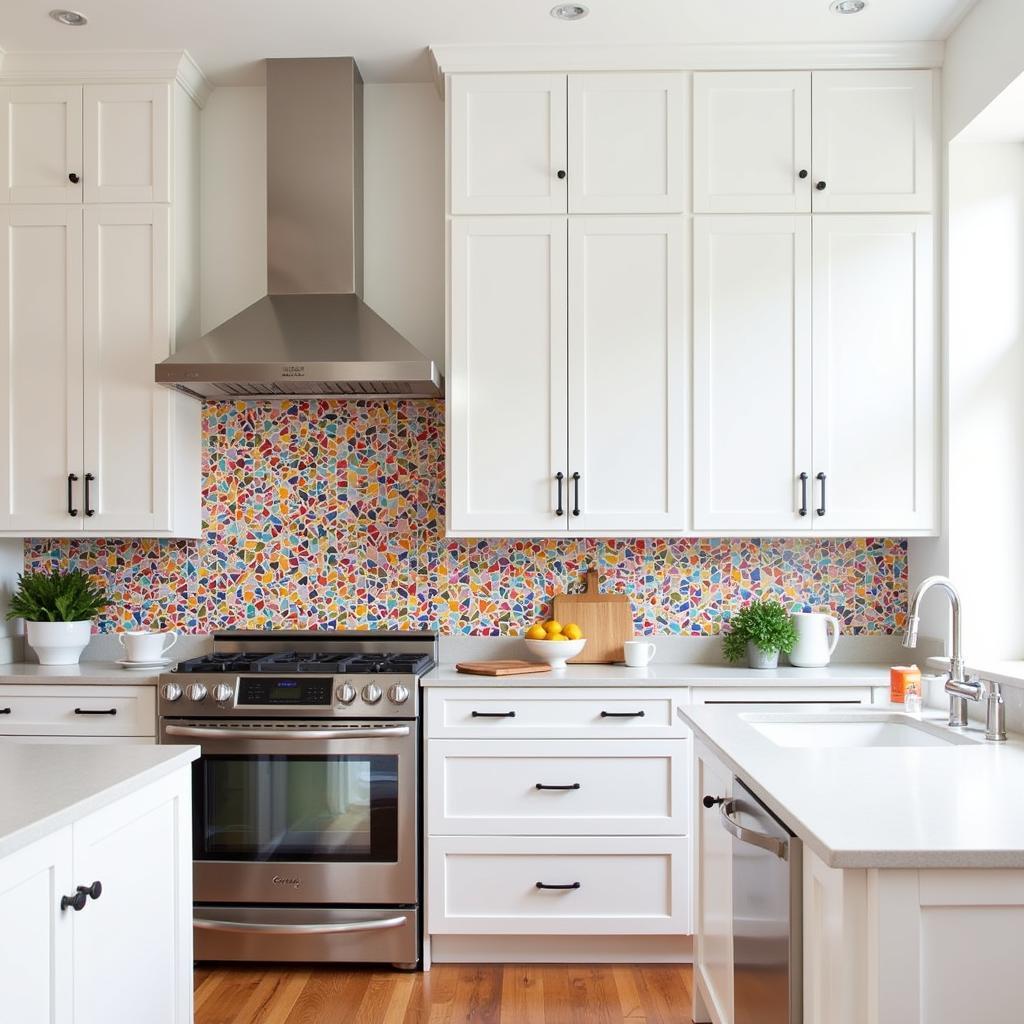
(12, 552)
(403, 207)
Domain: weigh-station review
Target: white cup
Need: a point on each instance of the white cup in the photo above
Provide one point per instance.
(638, 653)
(145, 646)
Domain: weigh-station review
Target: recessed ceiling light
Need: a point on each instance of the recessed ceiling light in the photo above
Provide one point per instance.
(73, 18)
(569, 12)
(847, 6)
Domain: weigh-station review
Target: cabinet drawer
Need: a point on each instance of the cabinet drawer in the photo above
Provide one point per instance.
(557, 787)
(576, 713)
(65, 711)
(625, 886)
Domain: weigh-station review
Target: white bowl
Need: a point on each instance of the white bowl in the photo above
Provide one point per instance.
(555, 652)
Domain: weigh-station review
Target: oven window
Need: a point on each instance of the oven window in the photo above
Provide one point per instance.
(296, 808)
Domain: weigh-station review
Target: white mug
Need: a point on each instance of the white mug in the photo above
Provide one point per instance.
(142, 645)
(638, 653)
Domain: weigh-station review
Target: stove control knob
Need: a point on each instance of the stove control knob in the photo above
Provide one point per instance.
(170, 691)
(398, 694)
(196, 691)
(346, 693)
(372, 693)
(223, 692)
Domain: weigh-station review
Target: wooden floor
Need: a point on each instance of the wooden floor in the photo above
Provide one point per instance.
(449, 994)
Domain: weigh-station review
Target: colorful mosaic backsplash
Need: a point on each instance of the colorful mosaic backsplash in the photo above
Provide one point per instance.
(330, 515)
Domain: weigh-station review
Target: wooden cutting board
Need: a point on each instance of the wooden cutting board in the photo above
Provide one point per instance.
(501, 668)
(605, 619)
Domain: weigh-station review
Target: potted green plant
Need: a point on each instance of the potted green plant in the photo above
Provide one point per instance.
(58, 609)
(759, 632)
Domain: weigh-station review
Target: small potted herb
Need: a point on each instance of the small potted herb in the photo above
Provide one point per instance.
(758, 633)
(58, 609)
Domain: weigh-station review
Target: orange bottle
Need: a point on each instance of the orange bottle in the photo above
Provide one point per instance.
(902, 677)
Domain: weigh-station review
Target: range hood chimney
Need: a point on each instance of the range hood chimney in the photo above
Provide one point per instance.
(312, 335)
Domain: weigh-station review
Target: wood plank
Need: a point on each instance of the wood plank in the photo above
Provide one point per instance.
(522, 995)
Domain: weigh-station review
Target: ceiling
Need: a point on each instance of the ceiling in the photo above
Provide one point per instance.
(228, 38)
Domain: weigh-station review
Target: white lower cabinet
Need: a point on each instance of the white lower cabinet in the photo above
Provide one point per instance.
(49, 713)
(127, 954)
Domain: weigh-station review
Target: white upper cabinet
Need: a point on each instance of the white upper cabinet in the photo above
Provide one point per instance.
(873, 142)
(875, 373)
(868, 146)
(508, 144)
(628, 299)
(127, 143)
(628, 149)
(752, 373)
(41, 135)
(752, 142)
(507, 374)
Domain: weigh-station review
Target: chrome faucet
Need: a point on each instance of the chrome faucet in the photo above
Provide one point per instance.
(960, 689)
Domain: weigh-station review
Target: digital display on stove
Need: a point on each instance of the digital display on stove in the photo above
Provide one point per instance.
(266, 691)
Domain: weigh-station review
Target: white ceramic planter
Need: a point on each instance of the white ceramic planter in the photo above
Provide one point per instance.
(58, 643)
(757, 658)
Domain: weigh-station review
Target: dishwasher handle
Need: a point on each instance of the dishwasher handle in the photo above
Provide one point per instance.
(780, 847)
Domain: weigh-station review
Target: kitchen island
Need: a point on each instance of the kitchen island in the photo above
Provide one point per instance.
(96, 883)
(912, 879)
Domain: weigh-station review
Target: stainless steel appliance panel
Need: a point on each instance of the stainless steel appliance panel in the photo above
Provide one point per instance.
(767, 906)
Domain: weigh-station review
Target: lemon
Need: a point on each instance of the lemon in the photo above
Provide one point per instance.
(552, 626)
(536, 633)
(573, 632)
(557, 636)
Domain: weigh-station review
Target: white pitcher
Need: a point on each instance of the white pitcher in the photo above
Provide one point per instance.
(813, 649)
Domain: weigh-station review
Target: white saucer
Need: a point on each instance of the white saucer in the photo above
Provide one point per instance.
(141, 666)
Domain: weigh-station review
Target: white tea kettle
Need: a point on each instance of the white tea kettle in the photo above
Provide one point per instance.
(813, 649)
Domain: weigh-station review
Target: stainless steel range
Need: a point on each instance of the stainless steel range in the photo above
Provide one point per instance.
(306, 797)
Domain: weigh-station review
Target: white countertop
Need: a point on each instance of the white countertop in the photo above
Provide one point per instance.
(44, 787)
(886, 807)
(672, 675)
(88, 672)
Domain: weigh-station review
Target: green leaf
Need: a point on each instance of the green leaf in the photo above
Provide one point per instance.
(57, 597)
(766, 624)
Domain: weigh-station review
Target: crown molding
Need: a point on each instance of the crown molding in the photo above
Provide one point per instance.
(56, 68)
(449, 60)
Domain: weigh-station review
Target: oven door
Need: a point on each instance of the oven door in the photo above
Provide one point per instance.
(303, 811)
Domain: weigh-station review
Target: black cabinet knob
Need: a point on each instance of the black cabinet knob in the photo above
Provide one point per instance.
(76, 902)
(74, 178)
(821, 186)
(710, 801)
(561, 175)
(802, 175)
(94, 891)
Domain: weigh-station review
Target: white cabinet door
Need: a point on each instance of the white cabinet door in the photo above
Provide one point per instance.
(41, 136)
(127, 143)
(713, 954)
(127, 330)
(873, 142)
(627, 373)
(508, 143)
(752, 142)
(752, 372)
(133, 945)
(627, 142)
(875, 363)
(41, 356)
(507, 366)
(35, 969)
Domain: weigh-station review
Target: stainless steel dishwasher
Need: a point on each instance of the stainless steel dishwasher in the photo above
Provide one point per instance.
(767, 903)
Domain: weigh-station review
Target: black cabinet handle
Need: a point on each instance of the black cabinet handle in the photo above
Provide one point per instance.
(89, 510)
(540, 785)
(493, 714)
(561, 175)
(576, 494)
(710, 801)
(802, 175)
(821, 186)
(623, 714)
(821, 511)
(5, 711)
(76, 902)
(89, 711)
(72, 480)
(74, 178)
(571, 885)
(559, 511)
(94, 891)
(803, 494)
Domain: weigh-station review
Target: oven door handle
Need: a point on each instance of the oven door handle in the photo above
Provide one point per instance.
(212, 732)
(299, 929)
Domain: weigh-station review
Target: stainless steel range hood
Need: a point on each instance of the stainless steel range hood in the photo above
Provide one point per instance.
(312, 334)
